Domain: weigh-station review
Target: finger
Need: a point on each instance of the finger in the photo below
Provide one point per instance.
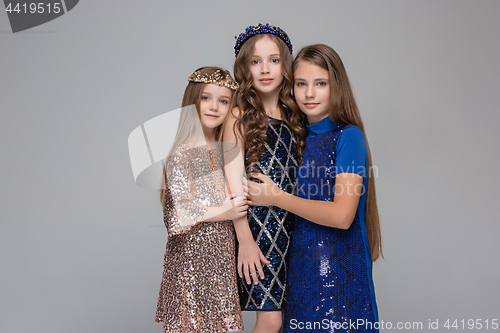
(264, 259)
(254, 274)
(250, 203)
(240, 271)
(257, 175)
(247, 274)
(261, 271)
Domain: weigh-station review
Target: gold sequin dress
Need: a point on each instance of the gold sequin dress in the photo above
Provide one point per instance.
(198, 291)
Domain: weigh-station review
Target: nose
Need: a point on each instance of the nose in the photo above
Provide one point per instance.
(264, 69)
(310, 92)
(213, 105)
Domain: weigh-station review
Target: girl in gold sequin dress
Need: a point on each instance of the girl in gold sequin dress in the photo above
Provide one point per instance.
(198, 290)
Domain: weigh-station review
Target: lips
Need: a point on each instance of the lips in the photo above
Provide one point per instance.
(211, 115)
(311, 105)
(266, 80)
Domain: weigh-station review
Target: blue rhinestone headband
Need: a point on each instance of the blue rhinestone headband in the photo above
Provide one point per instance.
(261, 29)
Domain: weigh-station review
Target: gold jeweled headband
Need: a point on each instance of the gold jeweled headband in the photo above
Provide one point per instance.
(216, 78)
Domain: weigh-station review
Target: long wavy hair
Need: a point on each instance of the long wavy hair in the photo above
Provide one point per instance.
(344, 110)
(189, 127)
(252, 123)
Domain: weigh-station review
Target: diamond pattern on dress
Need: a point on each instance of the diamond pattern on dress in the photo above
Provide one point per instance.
(272, 226)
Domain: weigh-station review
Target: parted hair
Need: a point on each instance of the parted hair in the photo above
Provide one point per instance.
(252, 122)
(344, 110)
(189, 125)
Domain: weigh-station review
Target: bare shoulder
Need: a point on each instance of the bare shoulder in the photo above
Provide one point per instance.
(231, 134)
(235, 113)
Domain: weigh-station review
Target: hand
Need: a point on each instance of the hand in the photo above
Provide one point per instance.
(234, 207)
(263, 194)
(249, 261)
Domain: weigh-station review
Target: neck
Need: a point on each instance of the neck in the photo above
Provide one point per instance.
(311, 120)
(209, 135)
(270, 103)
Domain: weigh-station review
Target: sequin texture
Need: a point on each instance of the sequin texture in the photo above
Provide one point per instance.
(198, 291)
(328, 276)
(272, 226)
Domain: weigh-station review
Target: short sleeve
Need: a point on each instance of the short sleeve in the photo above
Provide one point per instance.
(352, 155)
(183, 204)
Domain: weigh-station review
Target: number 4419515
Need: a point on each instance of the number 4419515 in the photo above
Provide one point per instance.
(33, 8)
(472, 324)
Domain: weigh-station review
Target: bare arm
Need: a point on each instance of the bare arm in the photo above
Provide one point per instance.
(249, 254)
(232, 208)
(339, 213)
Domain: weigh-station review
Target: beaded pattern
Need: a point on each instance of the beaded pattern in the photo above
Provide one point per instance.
(327, 276)
(261, 29)
(198, 291)
(271, 226)
(216, 78)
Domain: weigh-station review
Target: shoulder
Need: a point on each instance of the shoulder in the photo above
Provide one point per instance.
(179, 155)
(229, 127)
(235, 113)
(352, 133)
(352, 137)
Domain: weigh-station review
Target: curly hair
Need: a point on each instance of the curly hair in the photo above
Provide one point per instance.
(253, 122)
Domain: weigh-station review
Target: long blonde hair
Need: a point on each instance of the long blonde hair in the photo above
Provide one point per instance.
(189, 127)
(344, 110)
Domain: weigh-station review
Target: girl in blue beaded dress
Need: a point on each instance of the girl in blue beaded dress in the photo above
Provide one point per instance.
(268, 128)
(337, 232)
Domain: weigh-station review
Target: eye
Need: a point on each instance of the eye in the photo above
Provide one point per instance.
(223, 101)
(322, 83)
(275, 60)
(204, 98)
(254, 62)
(300, 84)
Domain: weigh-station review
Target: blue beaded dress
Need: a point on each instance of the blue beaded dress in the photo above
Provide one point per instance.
(272, 226)
(329, 281)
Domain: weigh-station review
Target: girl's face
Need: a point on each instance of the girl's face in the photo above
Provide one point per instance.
(214, 105)
(265, 66)
(312, 91)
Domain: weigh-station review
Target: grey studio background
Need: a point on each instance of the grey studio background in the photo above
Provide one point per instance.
(81, 246)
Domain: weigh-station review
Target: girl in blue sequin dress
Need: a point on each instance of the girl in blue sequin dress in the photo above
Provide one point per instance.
(337, 232)
(267, 126)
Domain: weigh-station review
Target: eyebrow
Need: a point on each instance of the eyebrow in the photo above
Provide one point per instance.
(271, 55)
(226, 97)
(319, 79)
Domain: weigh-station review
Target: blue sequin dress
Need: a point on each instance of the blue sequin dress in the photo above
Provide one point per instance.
(272, 226)
(329, 281)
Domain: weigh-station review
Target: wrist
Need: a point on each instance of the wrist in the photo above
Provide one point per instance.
(244, 240)
(279, 199)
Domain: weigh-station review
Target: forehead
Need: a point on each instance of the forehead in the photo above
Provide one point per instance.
(265, 46)
(215, 89)
(306, 69)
